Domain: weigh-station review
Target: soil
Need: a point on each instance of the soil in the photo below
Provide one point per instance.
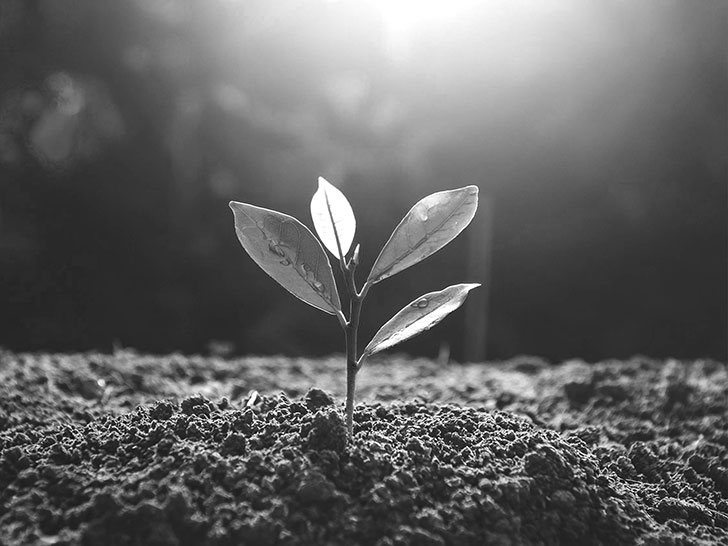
(130, 449)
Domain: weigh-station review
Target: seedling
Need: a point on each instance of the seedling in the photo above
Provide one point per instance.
(287, 250)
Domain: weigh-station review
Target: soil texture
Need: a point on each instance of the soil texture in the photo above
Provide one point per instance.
(130, 449)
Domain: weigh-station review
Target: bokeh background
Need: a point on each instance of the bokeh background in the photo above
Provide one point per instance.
(597, 131)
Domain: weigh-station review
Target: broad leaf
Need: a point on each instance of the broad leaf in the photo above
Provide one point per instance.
(332, 218)
(431, 224)
(285, 249)
(420, 315)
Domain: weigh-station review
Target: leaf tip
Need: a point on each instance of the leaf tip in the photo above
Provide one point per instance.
(470, 286)
(323, 183)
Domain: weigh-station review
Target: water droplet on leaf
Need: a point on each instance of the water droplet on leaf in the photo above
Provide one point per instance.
(423, 214)
(421, 304)
(318, 286)
(285, 262)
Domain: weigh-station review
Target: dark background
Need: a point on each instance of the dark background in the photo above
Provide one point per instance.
(596, 130)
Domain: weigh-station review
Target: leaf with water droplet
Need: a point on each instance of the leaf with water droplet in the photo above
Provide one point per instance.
(287, 250)
(420, 315)
(431, 224)
(333, 218)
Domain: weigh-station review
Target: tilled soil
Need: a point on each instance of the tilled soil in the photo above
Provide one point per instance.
(129, 449)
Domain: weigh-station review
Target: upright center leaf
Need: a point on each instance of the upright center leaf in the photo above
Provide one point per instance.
(333, 219)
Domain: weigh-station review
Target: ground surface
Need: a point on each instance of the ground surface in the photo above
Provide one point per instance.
(128, 449)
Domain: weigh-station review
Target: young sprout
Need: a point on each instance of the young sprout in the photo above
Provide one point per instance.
(287, 250)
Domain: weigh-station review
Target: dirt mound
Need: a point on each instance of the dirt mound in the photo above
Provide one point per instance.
(130, 449)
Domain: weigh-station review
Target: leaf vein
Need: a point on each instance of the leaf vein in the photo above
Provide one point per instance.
(458, 209)
(296, 250)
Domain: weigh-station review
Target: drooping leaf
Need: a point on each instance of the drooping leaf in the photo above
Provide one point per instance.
(332, 218)
(431, 224)
(285, 249)
(420, 315)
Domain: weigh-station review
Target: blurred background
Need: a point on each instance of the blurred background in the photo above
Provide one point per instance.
(596, 130)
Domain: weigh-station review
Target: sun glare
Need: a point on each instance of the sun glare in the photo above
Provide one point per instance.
(408, 15)
(404, 20)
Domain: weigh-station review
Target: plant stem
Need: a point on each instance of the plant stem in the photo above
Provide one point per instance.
(350, 333)
(350, 378)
